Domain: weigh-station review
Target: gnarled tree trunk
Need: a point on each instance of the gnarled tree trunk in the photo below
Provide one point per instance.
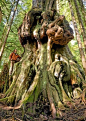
(47, 67)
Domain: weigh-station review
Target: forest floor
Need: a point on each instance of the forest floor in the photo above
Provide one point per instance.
(74, 113)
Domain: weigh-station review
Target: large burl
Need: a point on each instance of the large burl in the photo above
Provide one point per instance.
(57, 33)
(44, 27)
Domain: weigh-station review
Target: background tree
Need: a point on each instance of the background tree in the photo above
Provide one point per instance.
(83, 30)
(12, 40)
(78, 38)
(3, 46)
(0, 15)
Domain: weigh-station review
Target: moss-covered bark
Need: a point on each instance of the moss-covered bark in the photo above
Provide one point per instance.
(47, 67)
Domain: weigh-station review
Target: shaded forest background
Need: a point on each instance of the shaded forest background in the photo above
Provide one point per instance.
(7, 7)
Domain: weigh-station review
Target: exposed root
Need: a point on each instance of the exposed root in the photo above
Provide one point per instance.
(51, 100)
(7, 100)
(64, 95)
(10, 88)
(53, 110)
(59, 113)
(61, 106)
(27, 94)
(2, 95)
(4, 107)
(57, 100)
(83, 96)
(10, 108)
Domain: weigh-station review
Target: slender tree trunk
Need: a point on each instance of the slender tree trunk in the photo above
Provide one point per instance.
(83, 10)
(78, 38)
(6, 25)
(0, 15)
(81, 24)
(5, 40)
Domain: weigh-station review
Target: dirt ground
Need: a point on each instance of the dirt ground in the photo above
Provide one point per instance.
(74, 113)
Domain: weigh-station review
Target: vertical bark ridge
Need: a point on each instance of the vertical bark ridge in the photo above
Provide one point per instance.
(54, 4)
(58, 5)
(47, 4)
(43, 4)
(51, 4)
